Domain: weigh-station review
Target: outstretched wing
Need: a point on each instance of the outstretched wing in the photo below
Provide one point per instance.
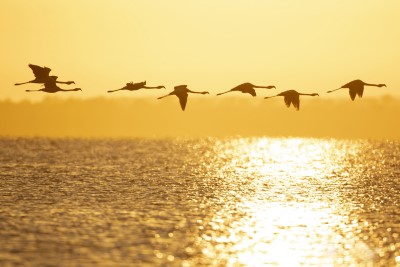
(40, 72)
(287, 101)
(360, 91)
(353, 93)
(141, 84)
(251, 91)
(183, 100)
(296, 103)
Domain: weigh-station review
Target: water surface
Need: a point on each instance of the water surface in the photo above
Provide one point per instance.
(199, 202)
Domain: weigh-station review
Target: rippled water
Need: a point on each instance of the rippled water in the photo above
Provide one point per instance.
(202, 202)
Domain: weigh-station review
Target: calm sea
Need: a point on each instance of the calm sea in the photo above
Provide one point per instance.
(199, 202)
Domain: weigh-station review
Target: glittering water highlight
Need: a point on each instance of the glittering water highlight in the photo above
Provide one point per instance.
(199, 202)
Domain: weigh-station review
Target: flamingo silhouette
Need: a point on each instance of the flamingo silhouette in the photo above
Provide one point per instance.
(181, 91)
(247, 88)
(41, 75)
(356, 87)
(292, 97)
(136, 86)
(51, 87)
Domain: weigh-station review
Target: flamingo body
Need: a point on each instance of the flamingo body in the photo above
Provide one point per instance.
(247, 88)
(356, 88)
(41, 75)
(181, 91)
(292, 97)
(51, 87)
(136, 86)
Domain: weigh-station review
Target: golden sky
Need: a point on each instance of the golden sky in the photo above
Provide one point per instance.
(210, 45)
(310, 46)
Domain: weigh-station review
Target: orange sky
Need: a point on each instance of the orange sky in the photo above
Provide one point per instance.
(311, 46)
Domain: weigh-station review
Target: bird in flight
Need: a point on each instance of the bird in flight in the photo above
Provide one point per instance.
(181, 91)
(136, 86)
(292, 97)
(51, 87)
(41, 75)
(247, 88)
(356, 87)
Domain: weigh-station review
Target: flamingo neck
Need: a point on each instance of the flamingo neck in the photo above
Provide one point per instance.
(308, 94)
(266, 87)
(372, 84)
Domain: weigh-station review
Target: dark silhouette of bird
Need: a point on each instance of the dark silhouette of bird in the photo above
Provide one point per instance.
(247, 88)
(356, 87)
(51, 87)
(292, 97)
(41, 75)
(181, 91)
(136, 86)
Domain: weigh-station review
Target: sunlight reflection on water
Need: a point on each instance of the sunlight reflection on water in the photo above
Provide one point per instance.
(208, 202)
(293, 219)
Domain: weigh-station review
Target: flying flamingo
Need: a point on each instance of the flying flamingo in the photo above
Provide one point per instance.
(356, 87)
(292, 97)
(41, 75)
(136, 86)
(247, 88)
(181, 91)
(51, 87)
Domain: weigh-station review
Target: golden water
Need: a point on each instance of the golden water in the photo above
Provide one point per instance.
(199, 202)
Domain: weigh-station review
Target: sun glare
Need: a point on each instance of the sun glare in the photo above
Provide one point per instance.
(284, 227)
(284, 235)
